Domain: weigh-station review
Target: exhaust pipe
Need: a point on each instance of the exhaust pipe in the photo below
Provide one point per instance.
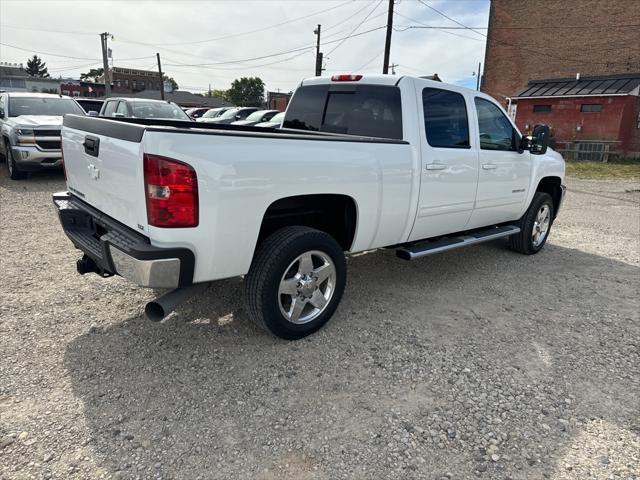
(162, 306)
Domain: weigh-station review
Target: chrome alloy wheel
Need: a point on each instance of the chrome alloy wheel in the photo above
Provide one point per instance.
(541, 225)
(306, 287)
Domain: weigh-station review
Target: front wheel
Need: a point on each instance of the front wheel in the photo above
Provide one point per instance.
(12, 169)
(295, 282)
(535, 225)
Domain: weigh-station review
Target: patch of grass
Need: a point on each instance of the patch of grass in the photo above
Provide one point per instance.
(623, 169)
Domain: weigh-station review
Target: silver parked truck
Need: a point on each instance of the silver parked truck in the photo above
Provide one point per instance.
(31, 124)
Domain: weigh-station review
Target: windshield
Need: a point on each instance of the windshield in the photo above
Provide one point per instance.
(229, 114)
(211, 113)
(54, 106)
(157, 110)
(257, 116)
(278, 118)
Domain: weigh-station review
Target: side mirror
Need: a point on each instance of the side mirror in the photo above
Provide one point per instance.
(539, 140)
(92, 113)
(1, 112)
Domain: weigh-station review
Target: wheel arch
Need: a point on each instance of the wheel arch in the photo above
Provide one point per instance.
(335, 214)
(553, 186)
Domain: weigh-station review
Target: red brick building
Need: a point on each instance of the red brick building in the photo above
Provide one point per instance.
(278, 100)
(558, 39)
(82, 89)
(547, 44)
(589, 117)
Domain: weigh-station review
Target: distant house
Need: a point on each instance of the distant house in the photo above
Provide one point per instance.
(182, 98)
(590, 117)
(13, 77)
(82, 89)
(278, 100)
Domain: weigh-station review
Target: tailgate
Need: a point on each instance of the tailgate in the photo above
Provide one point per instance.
(103, 164)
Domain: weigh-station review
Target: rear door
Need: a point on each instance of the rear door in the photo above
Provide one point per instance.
(449, 173)
(505, 172)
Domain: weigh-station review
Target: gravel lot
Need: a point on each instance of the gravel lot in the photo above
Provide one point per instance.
(480, 363)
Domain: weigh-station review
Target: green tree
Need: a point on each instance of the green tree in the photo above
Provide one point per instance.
(246, 92)
(36, 67)
(216, 93)
(92, 75)
(174, 84)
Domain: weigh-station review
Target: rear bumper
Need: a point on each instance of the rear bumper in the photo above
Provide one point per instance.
(32, 158)
(118, 249)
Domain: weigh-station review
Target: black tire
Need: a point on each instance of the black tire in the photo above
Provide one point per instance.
(523, 242)
(273, 260)
(12, 169)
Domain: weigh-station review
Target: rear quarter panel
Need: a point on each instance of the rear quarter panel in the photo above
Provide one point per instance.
(240, 176)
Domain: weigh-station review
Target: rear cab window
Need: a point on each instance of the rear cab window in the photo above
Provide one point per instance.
(364, 110)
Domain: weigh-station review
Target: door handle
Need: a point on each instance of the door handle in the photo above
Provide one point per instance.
(489, 166)
(91, 145)
(436, 166)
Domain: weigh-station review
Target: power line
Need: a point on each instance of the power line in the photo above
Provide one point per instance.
(424, 25)
(357, 27)
(262, 29)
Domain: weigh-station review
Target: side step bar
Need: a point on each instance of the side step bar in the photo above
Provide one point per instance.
(451, 243)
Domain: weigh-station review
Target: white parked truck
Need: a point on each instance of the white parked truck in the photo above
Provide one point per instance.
(362, 162)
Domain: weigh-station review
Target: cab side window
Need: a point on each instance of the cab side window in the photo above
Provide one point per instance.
(110, 108)
(122, 108)
(445, 118)
(496, 131)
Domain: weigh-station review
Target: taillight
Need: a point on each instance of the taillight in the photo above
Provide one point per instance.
(171, 190)
(345, 78)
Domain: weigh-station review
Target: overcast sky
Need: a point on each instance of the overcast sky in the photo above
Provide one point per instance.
(214, 41)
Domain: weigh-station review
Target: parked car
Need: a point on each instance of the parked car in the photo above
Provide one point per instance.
(142, 108)
(213, 113)
(363, 162)
(256, 117)
(90, 104)
(231, 115)
(30, 126)
(196, 112)
(275, 122)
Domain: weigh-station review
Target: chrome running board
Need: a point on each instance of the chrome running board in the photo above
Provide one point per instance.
(451, 243)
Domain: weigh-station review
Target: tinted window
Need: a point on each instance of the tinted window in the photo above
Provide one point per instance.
(445, 118)
(110, 108)
(496, 132)
(541, 108)
(242, 114)
(55, 106)
(367, 110)
(306, 108)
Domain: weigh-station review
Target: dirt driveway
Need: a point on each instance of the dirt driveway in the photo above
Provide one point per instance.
(480, 363)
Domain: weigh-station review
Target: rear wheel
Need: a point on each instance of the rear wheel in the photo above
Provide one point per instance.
(296, 281)
(12, 169)
(535, 225)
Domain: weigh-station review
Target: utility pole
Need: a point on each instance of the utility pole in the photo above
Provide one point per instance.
(478, 79)
(105, 63)
(318, 53)
(387, 43)
(161, 79)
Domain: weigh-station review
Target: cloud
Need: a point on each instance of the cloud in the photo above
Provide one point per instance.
(142, 28)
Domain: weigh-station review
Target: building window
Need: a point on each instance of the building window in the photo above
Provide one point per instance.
(126, 83)
(142, 85)
(591, 107)
(118, 83)
(134, 84)
(541, 108)
(76, 93)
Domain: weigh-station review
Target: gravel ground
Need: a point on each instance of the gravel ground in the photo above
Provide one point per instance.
(480, 363)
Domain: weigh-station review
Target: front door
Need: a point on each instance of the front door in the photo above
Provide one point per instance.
(504, 173)
(449, 165)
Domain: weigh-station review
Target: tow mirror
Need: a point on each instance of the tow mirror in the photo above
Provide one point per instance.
(539, 140)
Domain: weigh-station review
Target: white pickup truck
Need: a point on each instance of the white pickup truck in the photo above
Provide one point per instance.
(362, 162)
